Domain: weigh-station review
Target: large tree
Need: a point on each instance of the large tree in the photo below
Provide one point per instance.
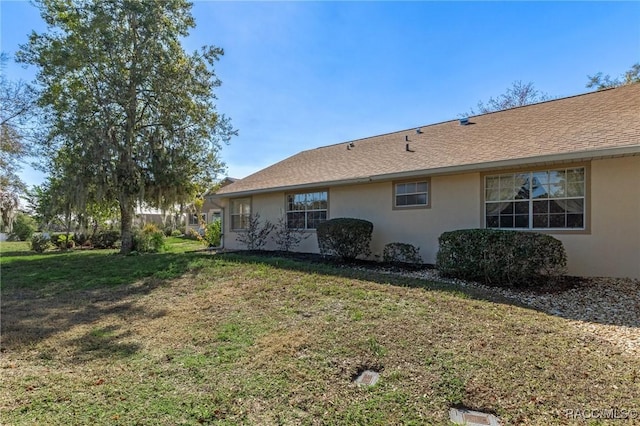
(519, 94)
(132, 113)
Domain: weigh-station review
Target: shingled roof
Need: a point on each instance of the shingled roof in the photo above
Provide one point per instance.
(592, 125)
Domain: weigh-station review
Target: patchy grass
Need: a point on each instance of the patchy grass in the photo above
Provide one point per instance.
(236, 339)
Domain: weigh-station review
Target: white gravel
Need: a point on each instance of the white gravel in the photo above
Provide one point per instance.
(608, 308)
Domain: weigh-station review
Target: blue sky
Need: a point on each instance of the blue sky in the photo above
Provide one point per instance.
(298, 75)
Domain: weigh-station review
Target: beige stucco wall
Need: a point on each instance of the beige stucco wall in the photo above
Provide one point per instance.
(611, 246)
(455, 202)
(270, 207)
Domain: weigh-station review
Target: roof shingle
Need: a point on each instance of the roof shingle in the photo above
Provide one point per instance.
(585, 123)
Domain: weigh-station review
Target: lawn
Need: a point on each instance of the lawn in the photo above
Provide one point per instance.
(92, 337)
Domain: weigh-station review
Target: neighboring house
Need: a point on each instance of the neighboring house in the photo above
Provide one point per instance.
(146, 215)
(568, 167)
(211, 209)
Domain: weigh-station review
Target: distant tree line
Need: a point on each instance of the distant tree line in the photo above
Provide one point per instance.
(521, 94)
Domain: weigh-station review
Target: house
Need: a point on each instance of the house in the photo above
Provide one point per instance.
(210, 211)
(568, 167)
(149, 215)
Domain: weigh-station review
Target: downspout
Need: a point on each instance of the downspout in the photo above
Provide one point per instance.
(222, 225)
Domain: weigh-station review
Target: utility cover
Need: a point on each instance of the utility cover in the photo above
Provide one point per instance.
(462, 416)
(368, 377)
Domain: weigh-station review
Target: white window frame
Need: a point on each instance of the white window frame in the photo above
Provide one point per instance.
(420, 205)
(525, 202)
(240, 210)
(313, 209)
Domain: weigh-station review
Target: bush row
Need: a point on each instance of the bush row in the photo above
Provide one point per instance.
(149, 239)
(491, 256)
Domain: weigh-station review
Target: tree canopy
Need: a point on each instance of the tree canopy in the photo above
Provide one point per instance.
(133, 116)
(17, 107)
(519, 94)
(599, 82)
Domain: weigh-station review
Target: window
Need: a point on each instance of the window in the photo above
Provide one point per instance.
(549, 199)
(306, 210)
(240, 212)
(411, 194)
(195, 221)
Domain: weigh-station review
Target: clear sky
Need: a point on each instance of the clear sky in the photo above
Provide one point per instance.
(298, 75)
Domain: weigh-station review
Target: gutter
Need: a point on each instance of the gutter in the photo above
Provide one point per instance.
(449, 170)
(341, 182)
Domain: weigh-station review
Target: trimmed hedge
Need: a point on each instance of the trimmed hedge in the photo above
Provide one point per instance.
(402, 253)
(500, 257)
(345, 237)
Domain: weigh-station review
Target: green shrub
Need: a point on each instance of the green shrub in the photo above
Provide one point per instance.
(65, 241)
(149, 239)
(40, 242)
(105, 239)
(401, 253)
(23, 228)
(213, 233)
(176, 233)
(500, 257)
(347, 238)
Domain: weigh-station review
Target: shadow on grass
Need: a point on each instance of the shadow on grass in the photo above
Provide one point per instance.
(24, 253)
(358, 270)
(47, 295)
(104, 342)
(369, 271)
(57, 272)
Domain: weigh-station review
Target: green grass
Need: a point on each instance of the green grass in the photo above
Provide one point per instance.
(56, 271)
(194, 338)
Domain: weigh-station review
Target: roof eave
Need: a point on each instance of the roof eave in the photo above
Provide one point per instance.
(285, 188)
(448, 170)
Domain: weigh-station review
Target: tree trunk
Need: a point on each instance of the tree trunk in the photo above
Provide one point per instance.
(126, 224)
(68, 230)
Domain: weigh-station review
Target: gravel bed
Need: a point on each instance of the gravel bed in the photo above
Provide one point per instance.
(607, 308)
